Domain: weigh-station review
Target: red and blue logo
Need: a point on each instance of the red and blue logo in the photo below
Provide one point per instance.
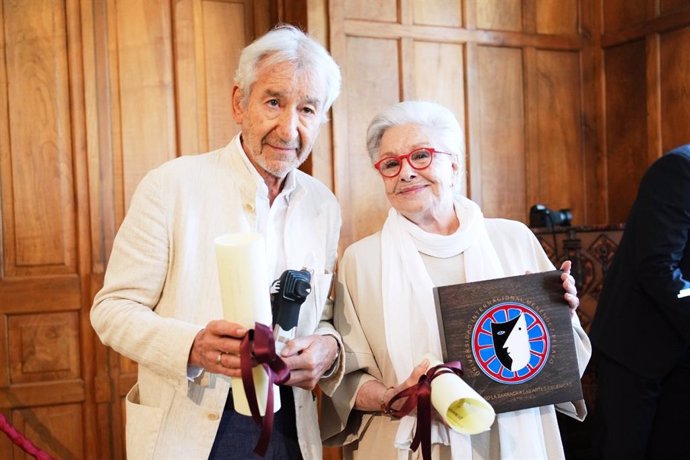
(510, 343)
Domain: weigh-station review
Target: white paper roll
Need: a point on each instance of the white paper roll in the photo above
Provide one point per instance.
(462, 408)
(245, 293)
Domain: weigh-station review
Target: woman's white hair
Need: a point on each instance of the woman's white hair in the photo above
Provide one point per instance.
(286, 43)
(423, 113)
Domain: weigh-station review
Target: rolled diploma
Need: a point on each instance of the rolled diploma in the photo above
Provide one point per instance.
(462, 408)
(245, 293)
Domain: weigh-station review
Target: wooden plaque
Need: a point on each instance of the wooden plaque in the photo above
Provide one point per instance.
(514, 339)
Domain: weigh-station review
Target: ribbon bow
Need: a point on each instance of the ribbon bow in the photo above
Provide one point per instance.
(259, 344)
(419, 396)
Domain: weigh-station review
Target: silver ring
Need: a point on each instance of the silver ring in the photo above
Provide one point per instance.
(220, 355)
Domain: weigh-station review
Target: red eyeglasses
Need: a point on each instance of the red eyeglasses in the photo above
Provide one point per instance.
(419, 159)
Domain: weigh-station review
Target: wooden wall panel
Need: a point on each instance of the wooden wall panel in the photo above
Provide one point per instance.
(626, 125)
(43, 347)
(619, 14)
(44, 294)
(104, 210)
(190, 87)
(4, 356)
(320, 162)
(555, 176)
(439, 76)
(646, 73)
(36, 163)
(557, 16)
(370, 76)
(518, 87)
(446, 13)
(206, 34)
(671, 6)
(501, 128)
(6, 447)
(226, 20)
(6, 206)
(98, 116)
(58, 430)
(499, 14)
(380, 10)
(145, 86)
(675, 98)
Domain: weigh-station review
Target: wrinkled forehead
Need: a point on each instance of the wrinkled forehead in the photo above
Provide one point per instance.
(403, 138)
(304, 82)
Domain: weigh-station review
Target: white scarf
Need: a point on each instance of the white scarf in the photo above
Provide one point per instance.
(408, 303)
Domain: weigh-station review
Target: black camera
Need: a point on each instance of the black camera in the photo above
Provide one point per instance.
(288, 293)
(541, 216)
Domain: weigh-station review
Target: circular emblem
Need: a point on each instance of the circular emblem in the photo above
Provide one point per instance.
(510, 343)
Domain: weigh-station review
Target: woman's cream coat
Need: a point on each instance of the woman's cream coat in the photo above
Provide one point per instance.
(359, 318)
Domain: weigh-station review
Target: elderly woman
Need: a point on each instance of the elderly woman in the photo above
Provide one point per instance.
(385, 308)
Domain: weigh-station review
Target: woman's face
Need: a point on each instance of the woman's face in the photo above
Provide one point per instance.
(419, 195)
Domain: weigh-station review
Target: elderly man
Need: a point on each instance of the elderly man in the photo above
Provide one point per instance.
(160, 304)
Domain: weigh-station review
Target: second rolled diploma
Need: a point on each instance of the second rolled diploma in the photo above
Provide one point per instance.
(462, 408)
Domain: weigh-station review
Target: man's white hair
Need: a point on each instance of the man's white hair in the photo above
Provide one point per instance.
(286, 43)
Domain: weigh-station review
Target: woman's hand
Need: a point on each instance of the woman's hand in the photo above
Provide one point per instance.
(410, 381)
(570, 295)
(373, 396)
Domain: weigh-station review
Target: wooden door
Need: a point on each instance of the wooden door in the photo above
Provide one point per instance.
(46, 380)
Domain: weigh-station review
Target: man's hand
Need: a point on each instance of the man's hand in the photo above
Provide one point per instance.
(309, 358)
(570, 295)
(216, 348)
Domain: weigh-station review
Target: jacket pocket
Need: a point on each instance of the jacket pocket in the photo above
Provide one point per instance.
(143, 426)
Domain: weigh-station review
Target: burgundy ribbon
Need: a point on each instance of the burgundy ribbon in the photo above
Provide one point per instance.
(21, 440)
(419, 396)
(259, 344)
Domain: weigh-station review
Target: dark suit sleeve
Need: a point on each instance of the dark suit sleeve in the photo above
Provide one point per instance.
(662, 237)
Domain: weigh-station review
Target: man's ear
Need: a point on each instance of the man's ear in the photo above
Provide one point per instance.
(237, 106)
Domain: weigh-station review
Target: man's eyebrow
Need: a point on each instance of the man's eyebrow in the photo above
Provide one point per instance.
(273, 93)
(309, 100)
(313, 101)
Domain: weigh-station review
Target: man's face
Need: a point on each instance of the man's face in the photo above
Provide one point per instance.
(281, 118)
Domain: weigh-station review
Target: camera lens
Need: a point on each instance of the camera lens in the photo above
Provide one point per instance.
(562, 217)
(541, 216)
